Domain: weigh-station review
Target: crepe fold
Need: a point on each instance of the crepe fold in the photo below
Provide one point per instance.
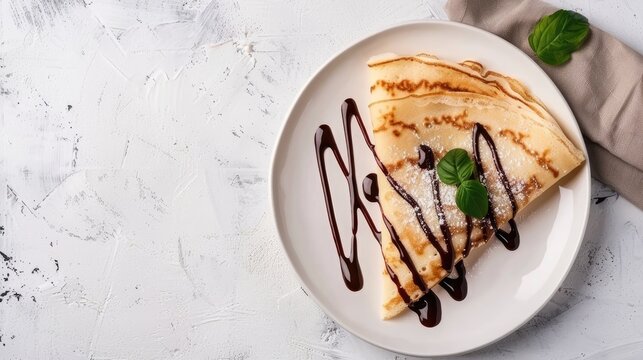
(422, 100)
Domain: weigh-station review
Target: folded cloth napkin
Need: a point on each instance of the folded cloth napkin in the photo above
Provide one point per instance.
(603, 84)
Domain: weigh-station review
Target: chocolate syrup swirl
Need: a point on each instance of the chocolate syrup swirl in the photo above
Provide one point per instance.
(456, 287)
(349, 112)
(349, 265)
(427, 162)
(427, 307)
(324, 139)
(511, 240)
(372, 194)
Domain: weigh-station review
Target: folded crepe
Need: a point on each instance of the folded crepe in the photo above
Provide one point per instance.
(422, 100)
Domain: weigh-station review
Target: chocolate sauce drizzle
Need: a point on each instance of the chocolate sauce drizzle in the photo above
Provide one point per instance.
(427, 307)
(456, 287)
(349, 112)
(351, 270)
(427, 162)
(371, 192)
(510, 239)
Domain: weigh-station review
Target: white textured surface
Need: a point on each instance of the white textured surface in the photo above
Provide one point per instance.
(135, 147)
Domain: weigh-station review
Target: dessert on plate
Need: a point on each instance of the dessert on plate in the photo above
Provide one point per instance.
(459, 151)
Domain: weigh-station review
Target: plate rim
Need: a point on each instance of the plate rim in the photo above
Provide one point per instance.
(288, 123)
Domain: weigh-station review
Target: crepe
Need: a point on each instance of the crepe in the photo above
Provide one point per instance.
(420, 100)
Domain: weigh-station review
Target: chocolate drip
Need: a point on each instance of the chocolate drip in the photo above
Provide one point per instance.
(404, 256)
(324, 139)
(511, 240)
(372, 193)
(370, 187)
(428, 309)
(400, 290)
(350, 111)
(349, 265)
(456, 287)
(427, 162)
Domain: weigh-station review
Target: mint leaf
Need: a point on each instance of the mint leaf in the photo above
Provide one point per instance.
(471, 198)
(455, 167)
(556, 36)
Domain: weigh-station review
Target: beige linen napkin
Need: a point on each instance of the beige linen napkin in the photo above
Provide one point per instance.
(603, 84)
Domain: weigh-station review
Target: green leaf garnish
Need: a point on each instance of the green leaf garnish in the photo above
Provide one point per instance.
(471, 198)
(556, 36)
(455, 167)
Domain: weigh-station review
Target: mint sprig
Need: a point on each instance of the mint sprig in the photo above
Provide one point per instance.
(471, 197)
(556, 36)
(455, 167)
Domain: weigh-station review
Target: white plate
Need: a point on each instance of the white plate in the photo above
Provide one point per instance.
(505, 288)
